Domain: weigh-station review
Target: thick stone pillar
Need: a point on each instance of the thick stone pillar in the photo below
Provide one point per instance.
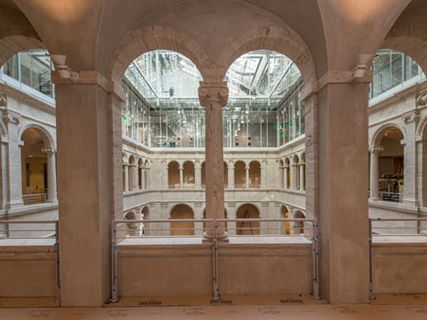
(213, 96)
(373, 179)
(126, 177)
(51, 176)
(343, 177)
(142, 170)
(165, 174)
(198, 175)
(89, 189)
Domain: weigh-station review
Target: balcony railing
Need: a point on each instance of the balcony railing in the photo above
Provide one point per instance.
(389, 196)
(192, 231)
(34, 198)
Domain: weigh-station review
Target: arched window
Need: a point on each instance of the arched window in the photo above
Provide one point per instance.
(38, 167)
(173, 175)
(299, 225)
(247, 211)
(254, 174)
(284, 213)
(145, 215)
(240, 174)
(189, 175)
(181, 211)
(389, 152)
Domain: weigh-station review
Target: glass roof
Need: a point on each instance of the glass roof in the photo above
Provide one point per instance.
(260, 74)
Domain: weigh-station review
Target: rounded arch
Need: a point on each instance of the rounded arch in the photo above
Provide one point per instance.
(240, 174)
(285, 214)
(11, 45)
(295, 159)
(174, 180)
(145, 215)
(299, 225)
(410, 45)
(132, 159)
(155, 38)
(283, 40)
(248, 211)
(181, 211)
(421, 133)
(47, 138)
(134, 228)
(254, 174)
(189, 177)
(379, 133)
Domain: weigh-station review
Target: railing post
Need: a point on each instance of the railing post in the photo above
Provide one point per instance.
(315, 254)
(371, 290)
(114, 279)
(58, 275)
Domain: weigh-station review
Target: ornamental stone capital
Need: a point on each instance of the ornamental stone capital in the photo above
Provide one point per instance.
(376, 149)
(213, 93)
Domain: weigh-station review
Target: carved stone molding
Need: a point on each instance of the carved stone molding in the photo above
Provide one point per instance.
(213, 94)
(411, 117)
(422, 99)
(377, 149)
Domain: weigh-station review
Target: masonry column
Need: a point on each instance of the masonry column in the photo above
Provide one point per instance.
(247, 168)
(198, 174)
(230, 169)
(301, 176)
(126, 177)
(285, 176)
(293, 180)
(373, 182)
(89, 189)
(343, 177)
(410, 196)
(181, 176)
(51, 176)
(213, 96)
(135, 176)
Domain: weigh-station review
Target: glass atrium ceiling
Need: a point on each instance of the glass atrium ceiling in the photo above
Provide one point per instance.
(166, 74)
(163, 108)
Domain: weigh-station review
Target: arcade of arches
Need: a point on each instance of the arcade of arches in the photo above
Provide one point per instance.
(263, 135)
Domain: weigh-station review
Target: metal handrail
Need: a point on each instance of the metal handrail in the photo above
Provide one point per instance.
(214, 243)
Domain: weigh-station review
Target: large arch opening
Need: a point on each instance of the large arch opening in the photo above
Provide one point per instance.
(254, 174)
(240, 174)
(248, 211)
(38, 167)
(286, 226)
(391, 164)
(189, 175)
(183, 228)
(174, 175)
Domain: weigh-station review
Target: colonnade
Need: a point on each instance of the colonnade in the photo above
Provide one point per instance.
(135, 174)
(293, 173)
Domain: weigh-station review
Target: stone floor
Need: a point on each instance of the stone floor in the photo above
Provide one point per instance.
(247, 312)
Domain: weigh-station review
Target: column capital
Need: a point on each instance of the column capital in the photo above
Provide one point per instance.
(376, 149)
(48, 150)
(213, 93)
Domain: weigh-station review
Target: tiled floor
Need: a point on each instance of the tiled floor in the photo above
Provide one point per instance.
(247, 312)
